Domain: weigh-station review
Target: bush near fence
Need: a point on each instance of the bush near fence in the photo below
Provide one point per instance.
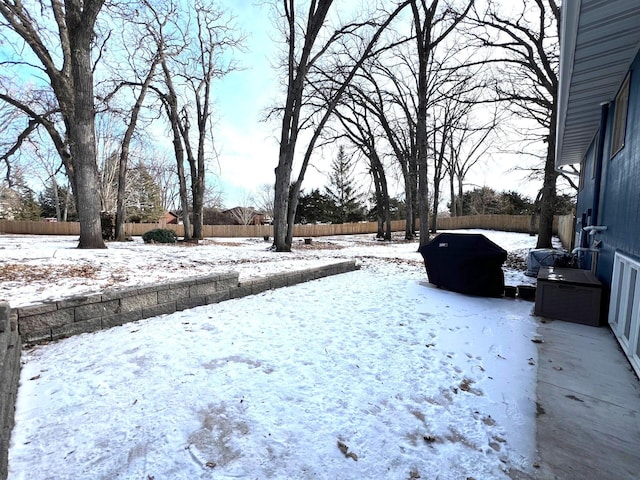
(562, 226)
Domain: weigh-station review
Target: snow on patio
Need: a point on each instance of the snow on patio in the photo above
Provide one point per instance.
(370, 374)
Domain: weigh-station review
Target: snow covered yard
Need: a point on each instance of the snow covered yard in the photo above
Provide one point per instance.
(370, 374)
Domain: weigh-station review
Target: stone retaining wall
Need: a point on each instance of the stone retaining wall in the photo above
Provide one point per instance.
(9, 376)
(63, 318)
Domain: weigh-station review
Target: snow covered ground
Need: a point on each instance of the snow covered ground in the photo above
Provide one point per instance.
(39, 268)
(371, 374)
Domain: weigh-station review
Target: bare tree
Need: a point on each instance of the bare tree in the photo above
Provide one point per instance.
(468, 144)
(263, 199)
(432, 26)
(394, 109)
(356, 119)
(244, 213)
(190, 65)
(143, 57)
(305, 51)
(72, 85)
(163, 171)
(526, 57)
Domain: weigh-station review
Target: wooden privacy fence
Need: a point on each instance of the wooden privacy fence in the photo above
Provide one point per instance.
(562, 226)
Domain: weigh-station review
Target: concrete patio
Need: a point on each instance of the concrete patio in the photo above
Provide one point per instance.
(588, 424)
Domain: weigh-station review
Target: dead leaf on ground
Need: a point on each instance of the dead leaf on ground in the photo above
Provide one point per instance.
(345, 451)
(13, 272)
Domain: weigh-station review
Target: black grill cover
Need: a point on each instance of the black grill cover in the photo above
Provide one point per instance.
(466, 263)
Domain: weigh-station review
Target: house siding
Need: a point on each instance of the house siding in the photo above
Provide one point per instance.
(619, 208)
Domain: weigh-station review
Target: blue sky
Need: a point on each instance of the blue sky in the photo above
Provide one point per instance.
(248, 147)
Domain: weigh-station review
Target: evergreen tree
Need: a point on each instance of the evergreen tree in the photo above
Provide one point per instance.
(481, 201)
(17, 200)
(28, 208)
(316, 207)
(343, 192)
(514, 203)
(67, 205)
(144, 197)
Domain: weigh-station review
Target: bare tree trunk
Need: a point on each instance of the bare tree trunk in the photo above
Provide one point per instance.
(56, 197)
(460, 202)
(124, 155)
(67, 202)
(452, 194)
(423, 40)
(382, 196)
(297, 72)
(82, 141)
(548, 200)
(73, 88)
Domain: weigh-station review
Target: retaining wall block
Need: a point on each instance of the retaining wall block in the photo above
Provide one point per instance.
(139, 302)
(294, 278)
(260, 285)
(97, 310)
(316, 273)
(191, 302)
(44, 321)
(306, 276)
(208, 279)
(76, 328)
(229, 280)
(37, 309)
(242, 290)
(120, 318)
(9, 380)
(150, 288)
(202, 289)
(79, 300)
(182, 283)
(218, 297)
(172, 294)
(160, 309)
(40, 336)
(279, 280)
(5, 313)
(118, 293)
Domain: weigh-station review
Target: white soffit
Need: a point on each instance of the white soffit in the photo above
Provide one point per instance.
(599, 40)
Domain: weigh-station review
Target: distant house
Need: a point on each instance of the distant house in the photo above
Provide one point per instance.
(246, 216)
(169, 218)
(599, 128)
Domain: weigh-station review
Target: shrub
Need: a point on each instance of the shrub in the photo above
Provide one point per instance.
(160, 235)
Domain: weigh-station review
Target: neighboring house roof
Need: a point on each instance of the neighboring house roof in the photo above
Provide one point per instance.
(600, 39)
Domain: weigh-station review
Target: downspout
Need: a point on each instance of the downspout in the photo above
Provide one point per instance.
(597, 184)
(592, 227)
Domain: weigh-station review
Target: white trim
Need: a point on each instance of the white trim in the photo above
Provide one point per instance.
(624, 308)
(568, 34)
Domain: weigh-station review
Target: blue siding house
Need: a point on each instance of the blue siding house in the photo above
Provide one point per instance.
(599, 128)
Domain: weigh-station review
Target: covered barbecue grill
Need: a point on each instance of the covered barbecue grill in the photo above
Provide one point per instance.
(465, 263)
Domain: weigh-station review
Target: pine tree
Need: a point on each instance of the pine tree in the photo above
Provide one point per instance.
(342, 190)
(67, 206)
(315, 207)
(144, 198)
